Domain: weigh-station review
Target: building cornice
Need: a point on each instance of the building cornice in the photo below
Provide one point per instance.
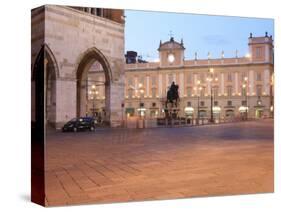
(158, 68)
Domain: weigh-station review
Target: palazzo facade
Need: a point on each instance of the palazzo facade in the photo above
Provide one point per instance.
(239, 86)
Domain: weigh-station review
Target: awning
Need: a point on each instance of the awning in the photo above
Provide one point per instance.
(130, 110)
(141, 109)
(189, 110)
(243, 109)
(216, 109)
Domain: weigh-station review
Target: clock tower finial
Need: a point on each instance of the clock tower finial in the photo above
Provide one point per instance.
(171, 53)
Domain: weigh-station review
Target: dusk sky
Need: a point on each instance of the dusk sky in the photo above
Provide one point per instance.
(200, 33)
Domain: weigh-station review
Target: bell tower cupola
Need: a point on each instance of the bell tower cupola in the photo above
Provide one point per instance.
(171, 53)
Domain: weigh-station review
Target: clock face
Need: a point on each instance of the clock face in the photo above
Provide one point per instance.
(171, 58)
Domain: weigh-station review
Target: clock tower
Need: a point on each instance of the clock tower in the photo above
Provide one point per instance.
(171, 53)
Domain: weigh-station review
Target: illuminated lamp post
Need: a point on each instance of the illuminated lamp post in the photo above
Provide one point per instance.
(211, 71)
(245, 86)
(198, 88)
(246, 80)
(141, 91)
(95, 93)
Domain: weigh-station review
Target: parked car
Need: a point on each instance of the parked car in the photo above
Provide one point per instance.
(80, 124)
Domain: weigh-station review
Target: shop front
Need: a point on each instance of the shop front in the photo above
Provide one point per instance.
(154, 112)
(217, 113)
(189, 112)
(130, 111)
(229, 114)
(243, 110)
(141, 111)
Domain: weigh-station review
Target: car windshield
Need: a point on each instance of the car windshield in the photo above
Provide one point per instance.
(87, 119)
(81, 119)
(73, 120)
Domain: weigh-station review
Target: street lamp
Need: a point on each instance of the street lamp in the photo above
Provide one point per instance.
(246, 82)
(198, 88)
(139, 89)
(245, 87)
(95, 93)
(271, 96)
(211, 71)
(141, 93)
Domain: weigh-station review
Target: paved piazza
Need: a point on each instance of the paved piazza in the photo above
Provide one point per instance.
(165, 163)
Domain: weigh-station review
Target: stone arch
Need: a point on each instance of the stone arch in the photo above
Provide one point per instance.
(47, 52)
(50, 73)
(84, 62)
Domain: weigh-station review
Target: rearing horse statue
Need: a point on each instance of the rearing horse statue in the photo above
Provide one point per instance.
(173, 95)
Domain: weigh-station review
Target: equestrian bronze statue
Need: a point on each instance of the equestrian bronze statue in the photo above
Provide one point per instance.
(173, 95)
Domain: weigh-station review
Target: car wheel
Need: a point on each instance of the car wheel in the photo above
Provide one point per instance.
(92, 128)
(74, 129)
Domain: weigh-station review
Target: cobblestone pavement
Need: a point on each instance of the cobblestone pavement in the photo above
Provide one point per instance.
(165, 163)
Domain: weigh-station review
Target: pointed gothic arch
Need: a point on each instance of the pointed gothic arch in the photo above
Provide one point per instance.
(84, 62)
(50, 72)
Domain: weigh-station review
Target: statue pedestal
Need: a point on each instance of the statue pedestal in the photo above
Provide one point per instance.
(171, 112)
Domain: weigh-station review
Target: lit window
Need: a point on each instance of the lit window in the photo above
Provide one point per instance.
(189, 78)
(244, 103)
(243, 75)
(202, 92)
(244, 92)
(215, 91)
(153, 92)
(229, 90)
(130, 93)
(153, 80)
(258, 52)
(170, 79)
(229, 77)
(202, 77)
(130, 81)
(189, 91)
(258, 76)
(259, 90)
(141, 80)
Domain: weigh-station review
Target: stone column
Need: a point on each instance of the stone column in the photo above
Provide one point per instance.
(175, 78)
(222, 84)
(181, 84)
(195, 84)
(116, 99)
(45, 92)
(236, 83)
(160, 85)
(251, 81)
(147, 86)
(136, 86)
(266, 82)
(65, 101)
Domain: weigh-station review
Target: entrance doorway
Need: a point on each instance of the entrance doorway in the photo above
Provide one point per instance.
(93, 86)
(259, 113)
(49, 72)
